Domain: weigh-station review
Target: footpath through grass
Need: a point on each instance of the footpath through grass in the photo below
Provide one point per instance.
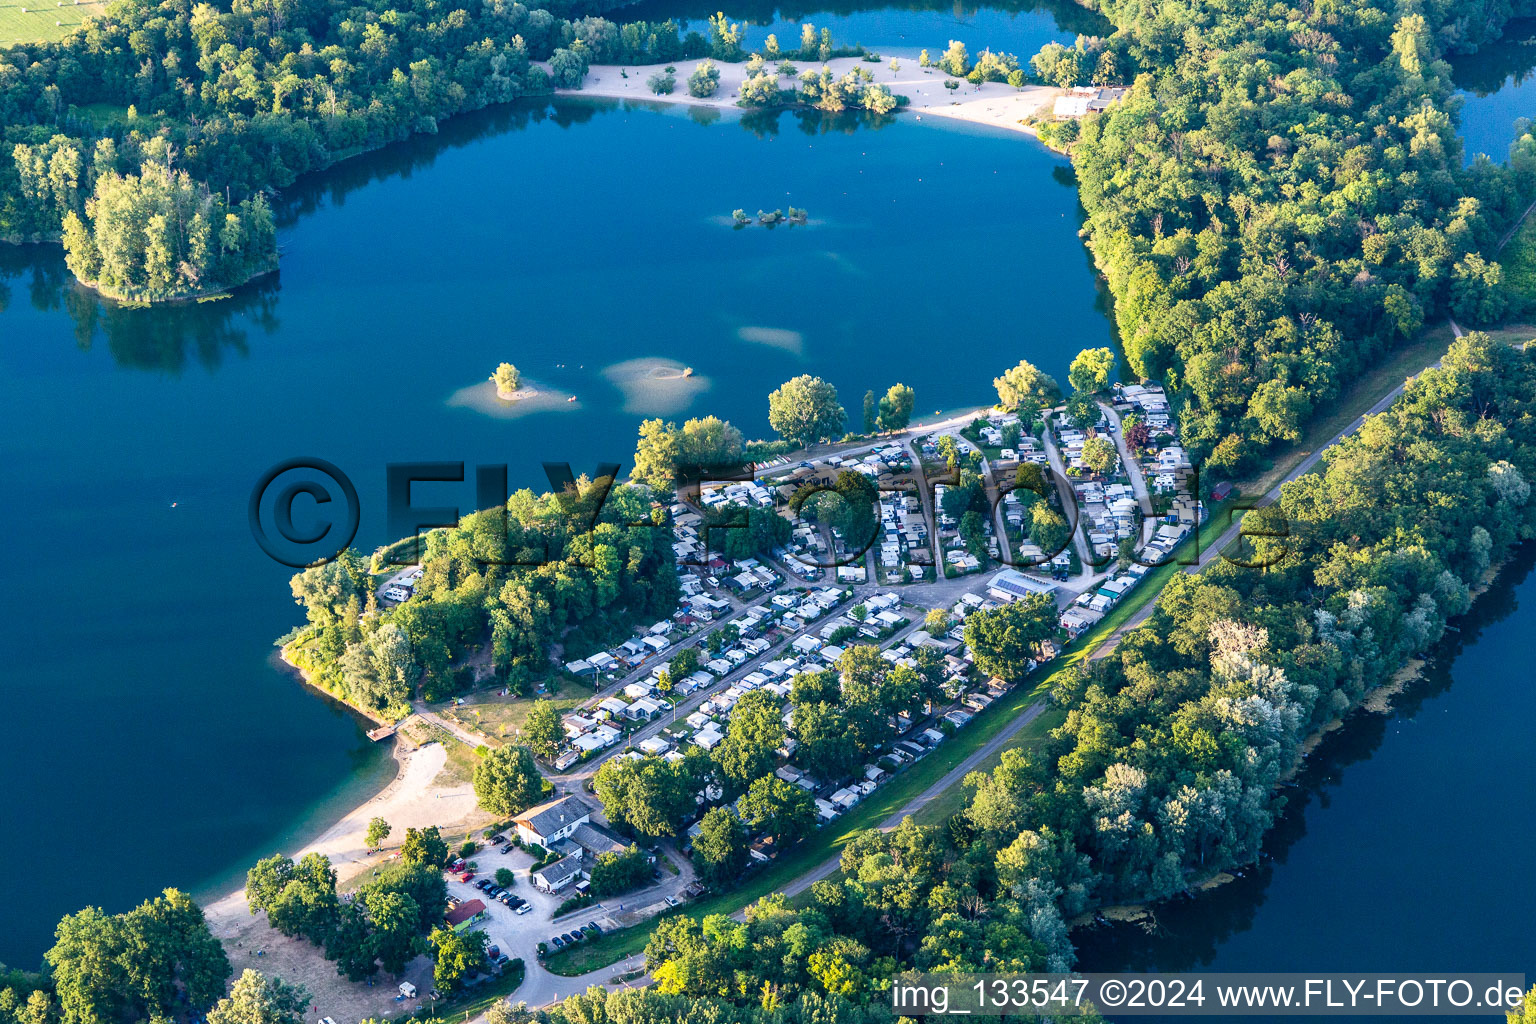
(898, 793)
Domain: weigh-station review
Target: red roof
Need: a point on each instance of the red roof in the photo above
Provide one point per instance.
(465, 911)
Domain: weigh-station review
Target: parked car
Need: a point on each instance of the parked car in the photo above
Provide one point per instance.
(503, 960)
(524, 908)
(466, 876)
(493, 952)
(595, 927)
(557, 942)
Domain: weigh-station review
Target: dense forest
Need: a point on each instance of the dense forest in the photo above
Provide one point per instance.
(132, 138)
(1281, 198)
(556, 568)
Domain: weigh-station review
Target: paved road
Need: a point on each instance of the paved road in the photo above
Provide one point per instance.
(1213, 550)
(1128, 459)
(547, 987)
(951, 778)
(1068, 498)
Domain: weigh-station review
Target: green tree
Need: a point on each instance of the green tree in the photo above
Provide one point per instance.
(896, 407)
(507, 781)
(568, 68)
(154, 961)
(1026, 389)
(256, 999)
(652, 797)
(506, 378)
(825, 748)
(1477, 290)
(779, 808)
(1099, 455)
(705, 80)
(755, 732)
(543, 730)
(424, 846)
(307, 904)
(661, 83)
(1003, 640)
(805, 410)
(613, 873)
(378, 831)
(871, 413)
(955, 61)
(460, 956)
(1090, 370)
(397, 932)
(720, 851)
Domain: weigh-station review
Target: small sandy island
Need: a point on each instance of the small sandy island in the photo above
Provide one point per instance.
(655, 386)
(991, 103)
(526, 400)
(422, 794)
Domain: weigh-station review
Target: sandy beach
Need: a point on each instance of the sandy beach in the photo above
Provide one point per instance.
(421, 794)
(991, 103)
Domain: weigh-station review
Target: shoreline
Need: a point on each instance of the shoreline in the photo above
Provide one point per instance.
(1375, 701)
(993, 104)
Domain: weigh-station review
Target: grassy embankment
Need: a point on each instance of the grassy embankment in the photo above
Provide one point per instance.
(891, 798)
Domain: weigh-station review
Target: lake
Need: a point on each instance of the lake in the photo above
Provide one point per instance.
(1406, 843)
(152, 735)
(901, 28)
(1494, 87)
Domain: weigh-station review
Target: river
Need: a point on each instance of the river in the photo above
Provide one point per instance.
(153, 741)
(1406, 841)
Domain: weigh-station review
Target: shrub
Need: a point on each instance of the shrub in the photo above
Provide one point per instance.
(705, 80)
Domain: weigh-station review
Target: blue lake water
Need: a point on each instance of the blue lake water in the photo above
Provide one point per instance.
(1494, 86)
(145, 711)
(1017, 28)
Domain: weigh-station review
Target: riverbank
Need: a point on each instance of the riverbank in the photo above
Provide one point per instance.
(1377, 701)
(995, 104)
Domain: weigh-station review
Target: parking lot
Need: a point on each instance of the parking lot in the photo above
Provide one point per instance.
(518, 935)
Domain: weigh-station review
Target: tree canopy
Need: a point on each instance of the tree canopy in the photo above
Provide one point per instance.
(805, 410)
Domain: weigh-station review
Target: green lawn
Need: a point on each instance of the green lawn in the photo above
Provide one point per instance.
(474, 1001)
(497, 717)
(1518, 258)
(40, 21)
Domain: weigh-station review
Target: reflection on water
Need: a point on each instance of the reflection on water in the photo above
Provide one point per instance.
(1493, 83)
(165, 338)
(871, 21)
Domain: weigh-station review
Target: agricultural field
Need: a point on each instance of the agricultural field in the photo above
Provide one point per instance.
(34, 21)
